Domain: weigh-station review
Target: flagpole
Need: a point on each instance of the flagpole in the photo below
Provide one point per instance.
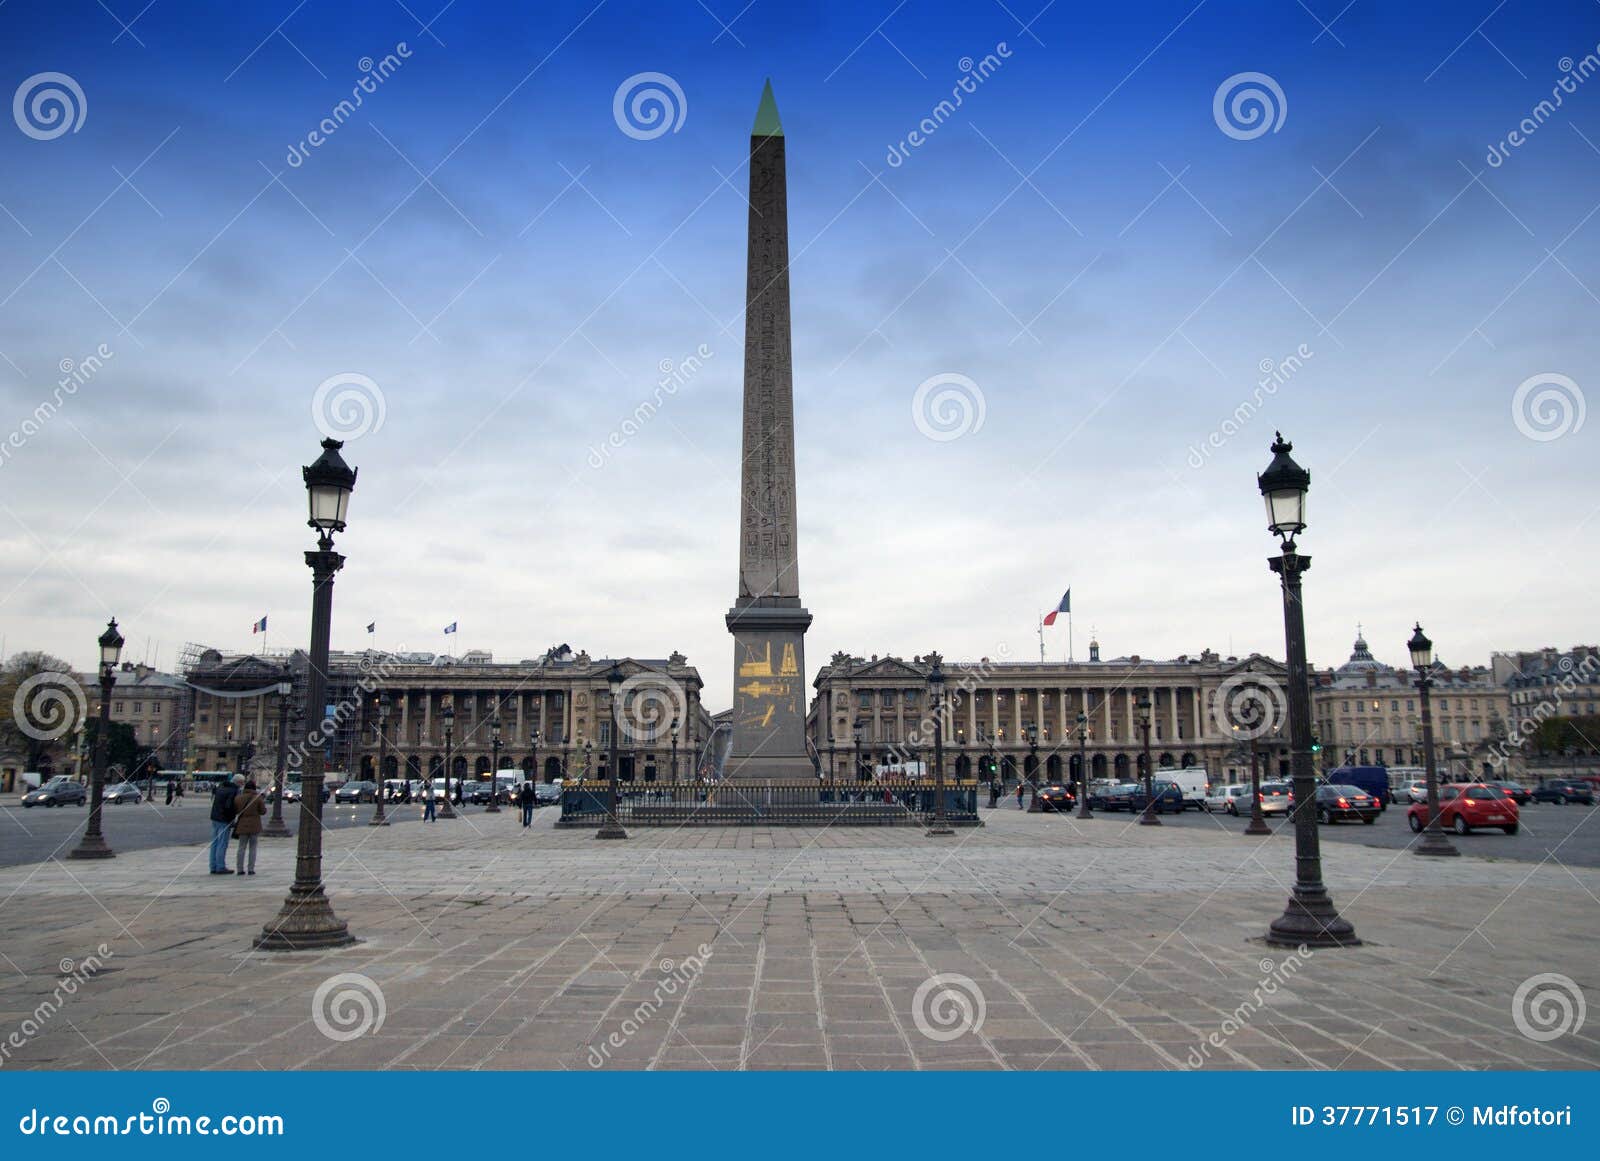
(1069, 634)
(1041, 638)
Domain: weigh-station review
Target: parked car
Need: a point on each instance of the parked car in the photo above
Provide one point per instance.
(1276, 797)
(1057, 798)
(1517, 792)
(122, 792)
(1168, 797)
(1563, 790)
(1111, 796)
(1231, 799)
(56, 792)
(356, 792)
(1465, 807)
(547, 793)
(1336, 803)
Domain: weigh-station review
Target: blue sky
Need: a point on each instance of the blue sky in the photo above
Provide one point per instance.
(1081, 239)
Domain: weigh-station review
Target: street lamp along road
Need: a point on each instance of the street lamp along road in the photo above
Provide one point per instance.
(494, 762)
(93, 845)
(307, 921)
(378, 818)
(941, 824)
(1310, 917)
(1149, 818)
(275, 827)
(611, 828)
(1433, 840)
(448, 713)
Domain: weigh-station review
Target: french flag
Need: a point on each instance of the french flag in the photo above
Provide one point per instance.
(259, 627)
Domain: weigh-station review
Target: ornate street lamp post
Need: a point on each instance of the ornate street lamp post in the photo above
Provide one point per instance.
(93, 845)
(1258, 822)
(1433, 841)
(1032, 773)
(941, 824)
(1149, 817)
(378, 818)
(275, 827)
(1083, 757)
(1083, 768)
(533, 751)
(448, 713)
(611, 828)
(1310, 917)
(674, 775)
(306, 920)
(494, 773)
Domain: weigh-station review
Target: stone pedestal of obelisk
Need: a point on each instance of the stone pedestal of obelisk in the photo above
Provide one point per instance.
(767, 621)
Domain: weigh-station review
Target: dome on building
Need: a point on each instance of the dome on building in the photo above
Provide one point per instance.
(1361, 657)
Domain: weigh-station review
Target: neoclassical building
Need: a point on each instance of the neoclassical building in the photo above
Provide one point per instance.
(1021, 717)
(564, 697)
(1367, 714)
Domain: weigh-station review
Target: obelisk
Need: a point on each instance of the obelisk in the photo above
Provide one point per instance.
(767, 621)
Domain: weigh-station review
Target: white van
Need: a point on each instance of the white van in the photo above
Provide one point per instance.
(1192, 780)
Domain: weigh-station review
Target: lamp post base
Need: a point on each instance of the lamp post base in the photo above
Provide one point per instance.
(378, 820)
(276, 830)
(1310, 920)
(306, 923)
(445, 811)
(611, 830)
(1258, 825)
(1148, 818)
(939, 830)
(1433, 842)
(1084, 812)
(94, 846)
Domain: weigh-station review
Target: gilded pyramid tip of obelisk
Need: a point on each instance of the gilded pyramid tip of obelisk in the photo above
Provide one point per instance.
(767, 123)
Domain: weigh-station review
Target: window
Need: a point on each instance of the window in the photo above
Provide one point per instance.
(888, 698)
(1444, 704)
(1361, 707)
(118, 706)
(605, 732)
(1344, 707)
(1394, 706)
(1411, 705)
(138, 707)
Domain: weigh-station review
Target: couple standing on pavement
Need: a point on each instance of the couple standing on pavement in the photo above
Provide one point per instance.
(236, 812)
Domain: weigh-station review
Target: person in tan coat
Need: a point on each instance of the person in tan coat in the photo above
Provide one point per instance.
(252, 807)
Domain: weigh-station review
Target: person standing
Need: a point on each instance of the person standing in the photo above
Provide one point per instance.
(1019, 794)
(526, 799)
(250, 809)
(429, 793)
(169, 792)
(224, 800)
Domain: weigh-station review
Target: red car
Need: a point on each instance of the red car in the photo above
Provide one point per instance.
(1465, 807)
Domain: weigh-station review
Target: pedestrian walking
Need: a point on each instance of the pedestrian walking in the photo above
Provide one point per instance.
(250, 809)
(224, 801)
(169, 792)
(526, 799)
(1019, 794)
(428, 808)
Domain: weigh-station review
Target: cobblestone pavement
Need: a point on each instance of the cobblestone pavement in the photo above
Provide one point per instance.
(1033, 942)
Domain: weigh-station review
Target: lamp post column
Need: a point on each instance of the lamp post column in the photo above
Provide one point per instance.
(378, 818)
(1433, 841)
(1149, 817)
(275, 827)
(448, 713)
(306, 920)
(494, 772)
(941, 823)
(93, 845)
(1258, 822)
(1310, 917)
(1083, 772)
(611, 828)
